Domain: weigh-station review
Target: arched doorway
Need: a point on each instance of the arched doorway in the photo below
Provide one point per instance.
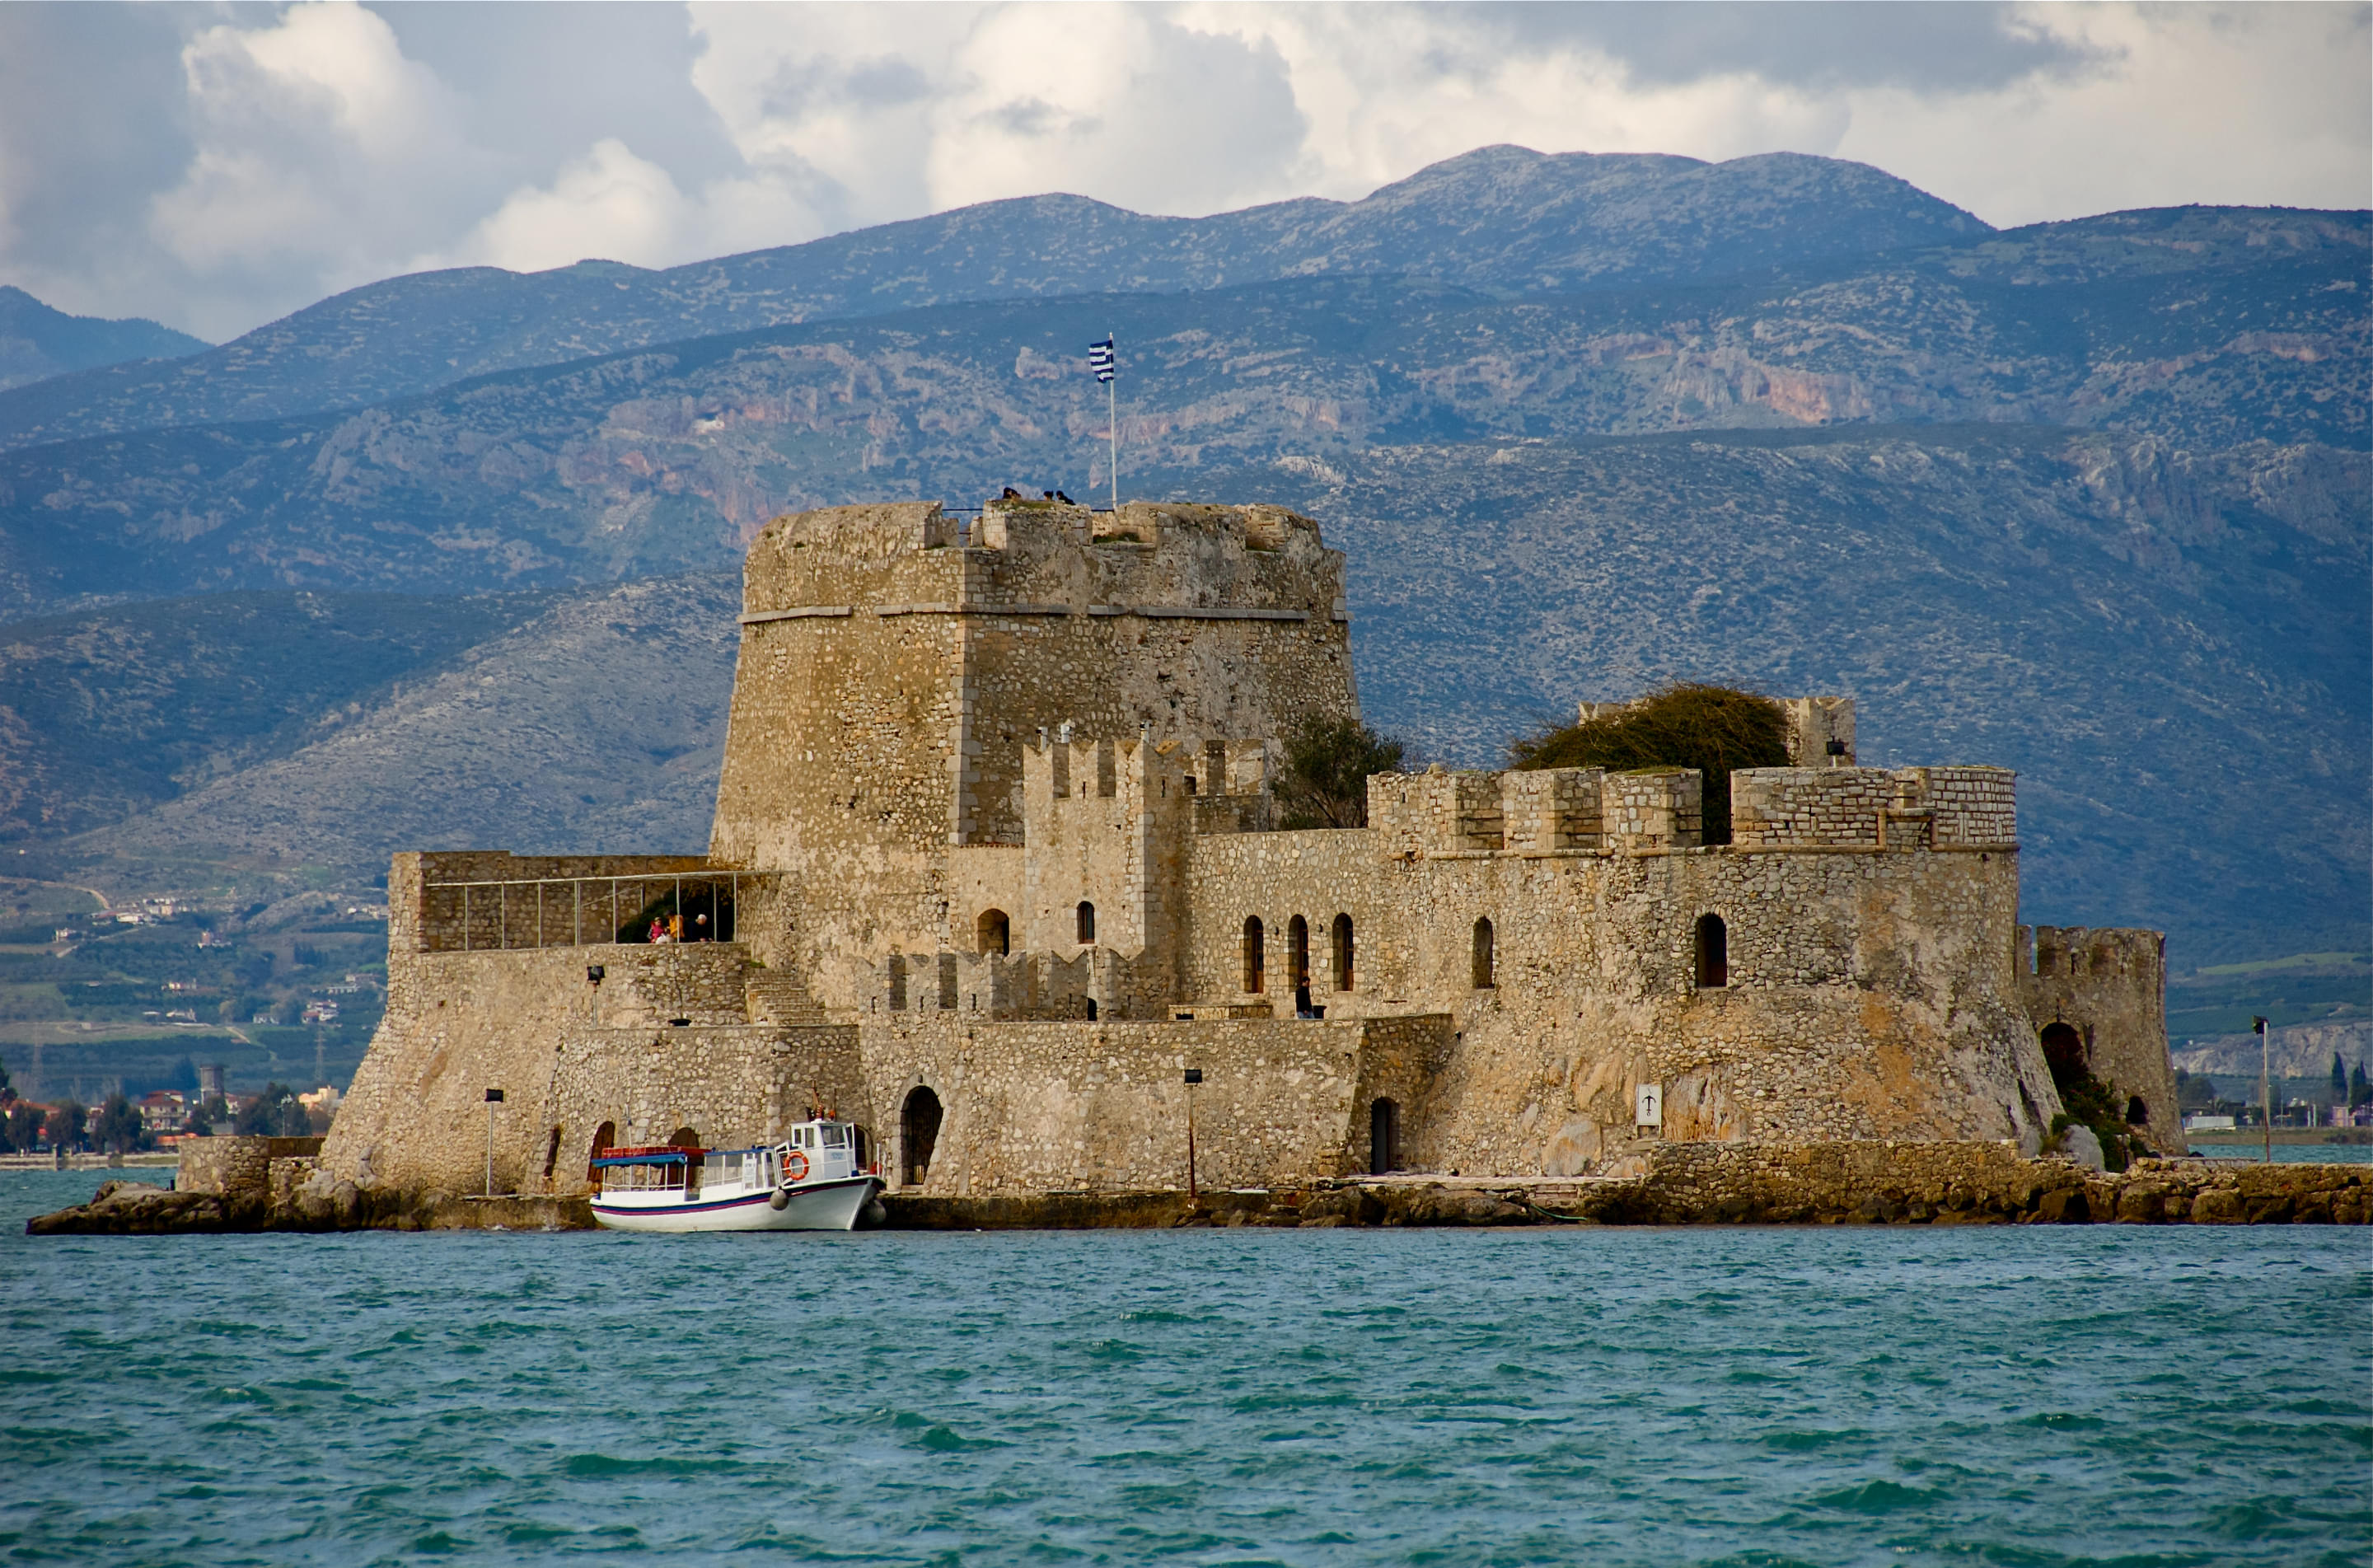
(1343, 952)
(1297, 952)
(2063, 1052)
(1085, 917)
(918, 1129)
(688, 1141)
(1256, 960)
(994, 932)
(605, 1137)
(1484, 957)
(1713, 953)
(1384, 1137)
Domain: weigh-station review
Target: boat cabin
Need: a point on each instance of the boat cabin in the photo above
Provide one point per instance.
(823, 1150)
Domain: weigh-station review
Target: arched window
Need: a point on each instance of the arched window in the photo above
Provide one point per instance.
(605, 1137)
(1484, 955)
(1713, 952)
(1256, 966)
(1297, 952)
(1087, 919)
(1343, 954)
(918, 1128)
(993, 933)
(1384, 1137)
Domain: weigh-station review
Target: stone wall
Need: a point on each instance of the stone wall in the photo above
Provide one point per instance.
(1868, 995)
(1045, 1106)
(733, 1086)
(2110, 987)
(1803, 807)
(238, 1168)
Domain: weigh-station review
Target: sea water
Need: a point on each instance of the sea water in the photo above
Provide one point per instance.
(2014, 1396)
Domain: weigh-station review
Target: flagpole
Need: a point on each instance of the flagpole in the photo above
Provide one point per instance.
(1112, 420)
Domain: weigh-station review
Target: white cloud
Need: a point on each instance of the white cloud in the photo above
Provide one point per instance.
(318, 150)
(2248, 105)
(609, 204)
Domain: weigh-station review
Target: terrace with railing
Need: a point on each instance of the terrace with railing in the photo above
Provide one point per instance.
(465, 913)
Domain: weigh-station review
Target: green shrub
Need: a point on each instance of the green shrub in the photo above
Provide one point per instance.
(1686, 724)
(1325, 781)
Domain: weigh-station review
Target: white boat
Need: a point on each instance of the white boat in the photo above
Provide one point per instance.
(810, 1181)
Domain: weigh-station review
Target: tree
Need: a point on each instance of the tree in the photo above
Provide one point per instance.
(117, 1129)
(64, 1127)
(2338, 1080)
(7, 1094)
(23, 1127)
(272, 1114)
(2360, 1089)
(1325, 781)
(212, 1110)
(1686, 724)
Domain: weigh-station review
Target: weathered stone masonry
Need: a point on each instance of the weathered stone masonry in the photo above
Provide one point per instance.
(996, 846)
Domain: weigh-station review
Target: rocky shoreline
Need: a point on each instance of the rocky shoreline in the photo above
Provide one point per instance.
(1677, 1184)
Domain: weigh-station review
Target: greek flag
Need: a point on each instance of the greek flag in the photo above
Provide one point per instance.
(1100, 359)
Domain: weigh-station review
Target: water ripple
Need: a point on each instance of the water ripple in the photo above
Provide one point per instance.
(1742, 1397)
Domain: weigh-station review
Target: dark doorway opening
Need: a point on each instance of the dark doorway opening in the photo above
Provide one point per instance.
(1086, 915)
(918, 1129)
(551, 1159)
(1343, 952)
(2137, 1113)
(1713, 952)
(995, 932)
(2063, 1052)
(1484, 958)
(1384, 1137)
(605, 1137)
(1256, 961)
(1297, 952)
(685, 1138)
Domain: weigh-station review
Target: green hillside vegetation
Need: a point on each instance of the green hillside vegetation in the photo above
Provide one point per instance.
(1685, 724)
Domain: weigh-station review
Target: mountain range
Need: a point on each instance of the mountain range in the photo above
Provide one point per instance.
(2092, 500)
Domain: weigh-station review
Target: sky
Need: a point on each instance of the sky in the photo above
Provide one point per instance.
(216, 167)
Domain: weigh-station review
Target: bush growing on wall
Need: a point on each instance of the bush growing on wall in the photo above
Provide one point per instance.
(1325, 781)
(1686, 724)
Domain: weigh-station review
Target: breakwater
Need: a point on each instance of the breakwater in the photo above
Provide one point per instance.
(274, 1184)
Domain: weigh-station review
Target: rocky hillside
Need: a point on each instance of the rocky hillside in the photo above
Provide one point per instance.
(106, 713)
(598, 725)
(2202, 329)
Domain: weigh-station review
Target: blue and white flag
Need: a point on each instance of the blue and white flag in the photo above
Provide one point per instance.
(1100, 359)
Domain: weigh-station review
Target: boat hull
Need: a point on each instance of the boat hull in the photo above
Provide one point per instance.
(816, 1206)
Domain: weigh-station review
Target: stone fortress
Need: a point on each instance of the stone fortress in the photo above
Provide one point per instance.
(996, 869)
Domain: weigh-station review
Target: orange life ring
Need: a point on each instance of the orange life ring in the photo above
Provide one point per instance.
(795, 1166)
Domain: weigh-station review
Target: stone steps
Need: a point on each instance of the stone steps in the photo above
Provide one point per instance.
(780, 998)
